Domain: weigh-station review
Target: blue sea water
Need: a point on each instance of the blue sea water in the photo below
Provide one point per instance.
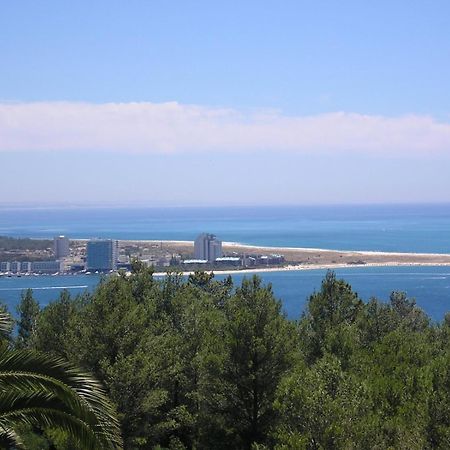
(430, 286)
(403, 228)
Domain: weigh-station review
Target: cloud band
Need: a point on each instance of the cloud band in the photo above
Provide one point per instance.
(173, 127)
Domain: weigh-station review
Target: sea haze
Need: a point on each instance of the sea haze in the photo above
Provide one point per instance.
(402, 228)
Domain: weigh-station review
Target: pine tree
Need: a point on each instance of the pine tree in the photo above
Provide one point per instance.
(260, 349)
(28, 311)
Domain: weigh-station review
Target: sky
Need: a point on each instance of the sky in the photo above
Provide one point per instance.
(224, 103)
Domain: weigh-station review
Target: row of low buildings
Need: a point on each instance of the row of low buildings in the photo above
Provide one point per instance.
(61, 250)
(237, 261)
(31, 266)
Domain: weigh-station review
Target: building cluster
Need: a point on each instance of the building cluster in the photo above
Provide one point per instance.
(263, 260)
(61, 250)
(102, 255)
(208, 252)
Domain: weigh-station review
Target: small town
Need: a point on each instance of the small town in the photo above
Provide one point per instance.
(66, 256)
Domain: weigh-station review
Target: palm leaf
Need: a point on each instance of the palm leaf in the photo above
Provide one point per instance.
(47, 391)
(85, 436)
(6, 324)
(9, 438)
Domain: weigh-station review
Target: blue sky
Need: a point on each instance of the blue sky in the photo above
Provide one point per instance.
(225, 102)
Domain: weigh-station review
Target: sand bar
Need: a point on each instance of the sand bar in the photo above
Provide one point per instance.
(310, 258)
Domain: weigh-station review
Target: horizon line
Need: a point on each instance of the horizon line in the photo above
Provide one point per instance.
(141, 205)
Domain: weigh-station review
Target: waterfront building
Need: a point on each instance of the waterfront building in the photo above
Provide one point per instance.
(229, 261)
(61, 247)
(195, 261)
(14, 267)
(45, 266)
(270, 259)
(25, 267)
(31, 267)
(207, 247)
(101, 254)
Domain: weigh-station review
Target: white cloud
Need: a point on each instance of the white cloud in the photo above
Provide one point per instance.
(172, 127)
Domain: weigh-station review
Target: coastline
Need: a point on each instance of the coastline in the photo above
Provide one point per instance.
(239, 246)
(295, 258)
(300, 259)
(295, 268)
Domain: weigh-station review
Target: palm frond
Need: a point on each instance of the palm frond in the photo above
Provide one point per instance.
(87, 437)
(9, 438)
(37, 383)
(6, 324)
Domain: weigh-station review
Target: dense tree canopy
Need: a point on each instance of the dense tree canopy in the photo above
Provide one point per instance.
(196, 363)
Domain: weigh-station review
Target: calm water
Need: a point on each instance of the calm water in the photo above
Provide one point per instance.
(416, 228)
(429, 285)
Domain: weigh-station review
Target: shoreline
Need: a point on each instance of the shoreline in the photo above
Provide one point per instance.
(295, 258)
(288, 268)
(238, 245)
(252, 247)
(313, 250)
(301, 258)
(300, 268)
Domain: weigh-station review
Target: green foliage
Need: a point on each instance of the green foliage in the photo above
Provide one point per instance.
(10, 243)
(321, 406)
(52, 325)
(329, 314)
(197, 363)
(28, 311)
(260, 349)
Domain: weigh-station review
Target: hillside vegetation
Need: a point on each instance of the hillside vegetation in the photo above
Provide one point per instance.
(202, 364)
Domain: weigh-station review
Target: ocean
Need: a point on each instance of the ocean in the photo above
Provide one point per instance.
(402, 228)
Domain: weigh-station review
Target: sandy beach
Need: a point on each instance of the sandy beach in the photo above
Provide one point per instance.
(314, 267)
(308, 258)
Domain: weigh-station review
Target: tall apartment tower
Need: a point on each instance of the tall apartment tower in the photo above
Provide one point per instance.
(207, 247)
(61, 247)
(102, 254)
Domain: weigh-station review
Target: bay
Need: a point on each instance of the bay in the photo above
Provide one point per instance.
(429, 285)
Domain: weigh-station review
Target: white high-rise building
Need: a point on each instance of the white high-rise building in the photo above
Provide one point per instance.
(61, 247)
(207, 247)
